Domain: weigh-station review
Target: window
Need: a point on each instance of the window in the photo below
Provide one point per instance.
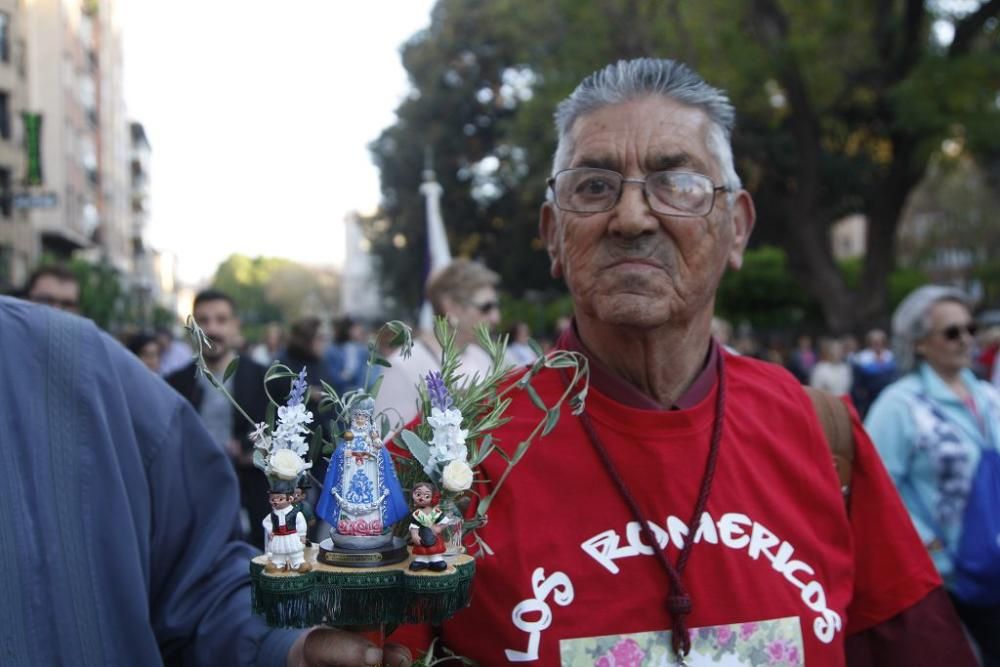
(4, 115)
(4, 37)
(5, 203)
(6, 266)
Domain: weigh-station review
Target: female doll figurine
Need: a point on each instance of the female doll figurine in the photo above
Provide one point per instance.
(361, 497)
(425, 529)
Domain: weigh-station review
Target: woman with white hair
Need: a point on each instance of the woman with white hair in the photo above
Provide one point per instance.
(938, 431)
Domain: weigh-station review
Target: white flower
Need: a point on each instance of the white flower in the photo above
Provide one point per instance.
(294, 416)
(259, 433)
(286, 464)
(263, 443)
(293, 424)
(449, 438)
(448, 418)
(456, 477)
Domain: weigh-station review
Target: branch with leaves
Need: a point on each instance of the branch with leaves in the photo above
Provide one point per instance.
(480, 403)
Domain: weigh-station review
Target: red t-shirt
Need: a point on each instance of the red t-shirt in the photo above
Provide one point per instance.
(777, 568)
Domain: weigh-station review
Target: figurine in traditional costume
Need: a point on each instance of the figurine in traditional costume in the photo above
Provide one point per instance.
(279, 453)
(361, 497)
(427, 522)
(285, 531)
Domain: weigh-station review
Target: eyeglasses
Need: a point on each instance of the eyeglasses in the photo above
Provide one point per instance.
(677, 193)
(486, 307)
(955, 331)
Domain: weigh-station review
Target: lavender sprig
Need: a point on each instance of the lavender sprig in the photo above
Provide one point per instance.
(299, 386)
(438, 392)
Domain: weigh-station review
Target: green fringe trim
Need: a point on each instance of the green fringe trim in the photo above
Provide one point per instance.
(341, 597)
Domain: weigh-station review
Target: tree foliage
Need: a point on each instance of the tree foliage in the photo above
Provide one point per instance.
(101, 296)
(841, 103)
(269, 289)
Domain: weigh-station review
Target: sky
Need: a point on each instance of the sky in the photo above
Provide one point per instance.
(259, 115)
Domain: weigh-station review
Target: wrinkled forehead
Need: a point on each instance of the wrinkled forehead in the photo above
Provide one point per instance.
(651, 133)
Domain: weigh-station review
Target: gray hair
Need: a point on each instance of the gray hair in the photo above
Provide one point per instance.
(628, 80)
(911, 324)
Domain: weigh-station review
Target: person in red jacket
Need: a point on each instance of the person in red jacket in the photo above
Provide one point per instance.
(691, 513)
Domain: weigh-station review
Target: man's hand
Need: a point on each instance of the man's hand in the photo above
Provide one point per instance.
(322, 647)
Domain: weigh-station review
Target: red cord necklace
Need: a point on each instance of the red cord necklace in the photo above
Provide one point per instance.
(678, 600)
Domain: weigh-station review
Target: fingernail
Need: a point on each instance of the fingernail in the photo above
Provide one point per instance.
(373, 656)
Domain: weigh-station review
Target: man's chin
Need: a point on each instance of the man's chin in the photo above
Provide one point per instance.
(213, 356)
(634, 311)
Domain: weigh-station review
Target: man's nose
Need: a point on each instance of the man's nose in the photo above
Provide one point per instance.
(632, 216)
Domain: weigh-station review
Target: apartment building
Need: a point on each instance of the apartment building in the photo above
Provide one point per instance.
(64, 137)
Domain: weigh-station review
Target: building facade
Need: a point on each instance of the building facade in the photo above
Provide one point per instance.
(16, 237)
(64, 138)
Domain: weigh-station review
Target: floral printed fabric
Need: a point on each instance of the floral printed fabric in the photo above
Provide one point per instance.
(776, 642)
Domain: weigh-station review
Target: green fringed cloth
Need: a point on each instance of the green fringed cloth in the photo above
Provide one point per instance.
(341, 596)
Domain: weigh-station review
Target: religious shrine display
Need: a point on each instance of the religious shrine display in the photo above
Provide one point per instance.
(386, 562)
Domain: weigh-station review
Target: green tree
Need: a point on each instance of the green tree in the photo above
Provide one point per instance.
(268, 289)
(101, 296)
(245, 280)
(766, 294)
(841, 105)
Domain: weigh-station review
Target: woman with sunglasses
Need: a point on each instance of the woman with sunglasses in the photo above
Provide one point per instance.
(938, 431)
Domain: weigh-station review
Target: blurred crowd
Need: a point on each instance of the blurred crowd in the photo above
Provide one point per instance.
(927, 392)
(847, 366)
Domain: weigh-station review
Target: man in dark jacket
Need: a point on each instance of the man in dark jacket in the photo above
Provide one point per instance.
(215, 312)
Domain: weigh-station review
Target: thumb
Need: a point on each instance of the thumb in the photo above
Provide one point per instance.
(322, 647)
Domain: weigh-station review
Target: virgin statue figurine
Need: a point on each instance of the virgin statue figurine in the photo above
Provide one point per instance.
(361, 497)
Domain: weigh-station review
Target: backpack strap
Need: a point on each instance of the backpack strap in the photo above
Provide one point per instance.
(836, 422)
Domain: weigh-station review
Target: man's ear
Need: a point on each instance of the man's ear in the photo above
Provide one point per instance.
(743, 217)
(450, 309)
(548, 230)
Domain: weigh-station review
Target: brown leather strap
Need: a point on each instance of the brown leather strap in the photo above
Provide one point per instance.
(836, 422)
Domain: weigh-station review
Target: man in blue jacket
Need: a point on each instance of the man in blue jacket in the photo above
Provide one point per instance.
(122, 540)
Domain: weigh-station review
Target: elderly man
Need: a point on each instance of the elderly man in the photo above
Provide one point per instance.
(693, 508)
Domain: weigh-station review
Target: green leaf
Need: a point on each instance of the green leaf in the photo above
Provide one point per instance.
(485, 547)
(551, 419)
(376, 386)
(535, 398)
(421, 450)
(269, 415)
(504, 455)
(258, 458)
(398, 338)
(521, 449)
(380, 361)
(535, 347)
(277, 370)
(485, 449)
(316, 446)
(231, 368)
